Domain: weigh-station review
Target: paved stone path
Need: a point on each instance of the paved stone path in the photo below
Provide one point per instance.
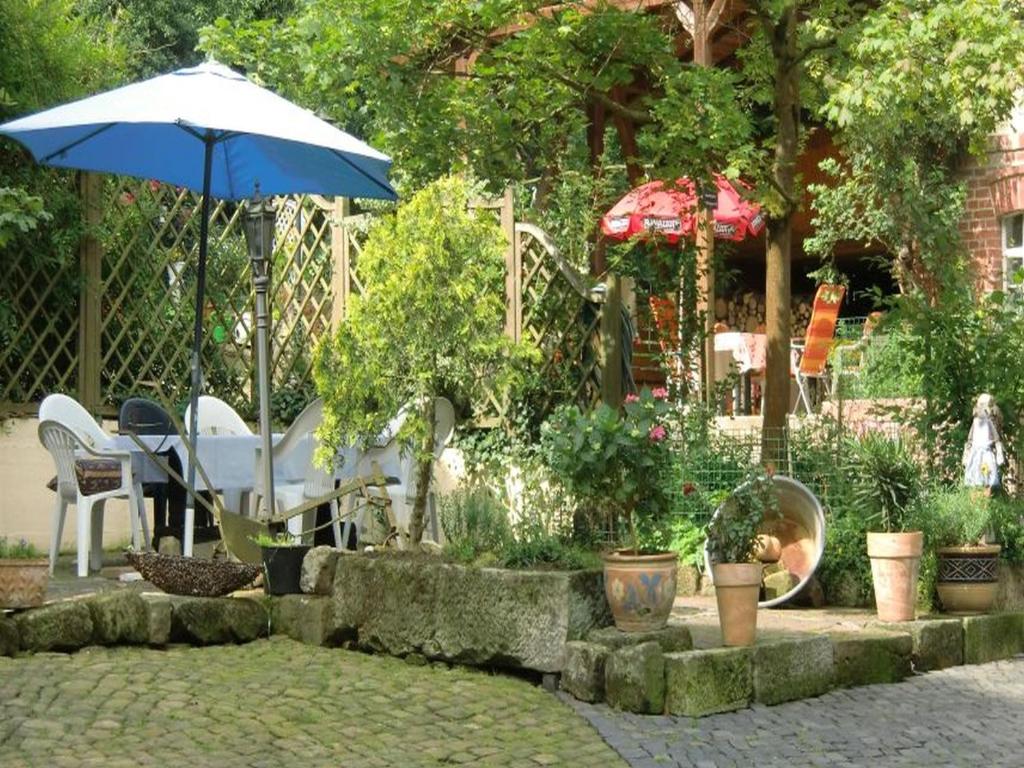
(277, 703)
(965, 716)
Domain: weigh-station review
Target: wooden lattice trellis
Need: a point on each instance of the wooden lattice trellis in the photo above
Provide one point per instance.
(118, 322)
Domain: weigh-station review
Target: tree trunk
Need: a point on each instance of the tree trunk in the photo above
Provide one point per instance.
(424, 476)
(780, 235)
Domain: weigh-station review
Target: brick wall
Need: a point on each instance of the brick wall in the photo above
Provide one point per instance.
(995, 187)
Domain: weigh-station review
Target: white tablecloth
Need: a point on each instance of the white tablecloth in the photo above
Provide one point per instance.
(228, 460)
(742, 352)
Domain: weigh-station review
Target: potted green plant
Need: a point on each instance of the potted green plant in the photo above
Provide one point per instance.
(617, 464)
(734, 538)
(968, 574)
(885, 483)
(282, 558)
(24, 575)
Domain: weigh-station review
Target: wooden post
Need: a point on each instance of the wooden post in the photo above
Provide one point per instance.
(706, 272)
(90, 328)
(341, 277)
(611, 342)
(513, 270)
(703, 22)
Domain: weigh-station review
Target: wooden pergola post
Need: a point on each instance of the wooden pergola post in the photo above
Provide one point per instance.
(90, 331)
(700, 21)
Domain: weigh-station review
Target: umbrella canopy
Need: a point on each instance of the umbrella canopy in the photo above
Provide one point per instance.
(671, 212)
(209, 129)
(159, 129)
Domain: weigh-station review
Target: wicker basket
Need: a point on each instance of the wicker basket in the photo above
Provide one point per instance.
(23, 582)
(192, 576)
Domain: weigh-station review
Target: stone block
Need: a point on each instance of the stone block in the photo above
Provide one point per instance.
(217, 620)
(399, 604)
(687, 581)
(870, 657)
(9, 640)
(634, 679)
(788, 670)
(993, 637)
(58, 627)
(158, 620)
(779, 583)
(318, 567)
(1010, 593)
(936, 643)
(671, 639)
(699, 683)
(583, 671)
(119, 618)
(305, 618)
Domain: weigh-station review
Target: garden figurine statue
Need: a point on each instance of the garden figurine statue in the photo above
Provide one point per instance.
(983, 454)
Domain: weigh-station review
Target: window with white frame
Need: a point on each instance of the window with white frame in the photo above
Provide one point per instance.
(1013, 254)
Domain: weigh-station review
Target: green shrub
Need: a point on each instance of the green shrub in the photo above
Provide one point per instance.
(885, 480)
(1007, 520)
(732, 533)
(550, 552)
(845, 570)
(22, 550)
(952, 517)
(474, 522)
(688, 542)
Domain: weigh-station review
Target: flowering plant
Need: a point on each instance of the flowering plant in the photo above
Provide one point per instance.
(614, 463)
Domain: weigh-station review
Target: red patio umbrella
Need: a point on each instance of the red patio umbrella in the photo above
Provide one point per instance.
(672, 212)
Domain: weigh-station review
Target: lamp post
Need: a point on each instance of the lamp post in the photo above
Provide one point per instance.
(260, 216)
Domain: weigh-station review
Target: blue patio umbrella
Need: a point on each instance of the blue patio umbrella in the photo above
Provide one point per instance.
(214, 131)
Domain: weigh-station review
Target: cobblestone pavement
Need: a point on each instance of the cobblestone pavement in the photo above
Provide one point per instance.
(964, 716)
(277, 703)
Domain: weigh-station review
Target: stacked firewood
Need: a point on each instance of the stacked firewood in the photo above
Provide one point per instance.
(745, 312)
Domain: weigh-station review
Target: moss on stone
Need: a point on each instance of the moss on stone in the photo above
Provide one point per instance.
(9, 640)
(671, 639)
(634, 679)
(583, 671)
(218, 620)
(305, 618)
(936, 643)
(482, 616)
(699, 683)
(867, 658)
(994, 637)
(789, 670)
(158, 620)
(57, 627)
(119, 618)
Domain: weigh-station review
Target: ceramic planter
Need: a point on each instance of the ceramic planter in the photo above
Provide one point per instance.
(640, 589)
(895, 564)
(23, 582)
(737, 589)
(968, 578)
(282, 569)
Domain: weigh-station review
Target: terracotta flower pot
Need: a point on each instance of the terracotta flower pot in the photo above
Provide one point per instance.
(968, 578)
(737, 588)
(640, 589)
(23, 582)
(895, 564)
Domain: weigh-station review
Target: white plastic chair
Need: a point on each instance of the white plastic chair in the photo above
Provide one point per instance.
(63, 442)
(293, 450)
(317, 481)
(215, 417)
(69, 412)
(393, 462)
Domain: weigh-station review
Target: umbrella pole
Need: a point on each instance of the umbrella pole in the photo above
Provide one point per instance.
(262, 285)
(197, 342)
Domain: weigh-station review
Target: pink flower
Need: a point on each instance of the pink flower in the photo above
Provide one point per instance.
(657, 433)
(631, 398)
(659, 393)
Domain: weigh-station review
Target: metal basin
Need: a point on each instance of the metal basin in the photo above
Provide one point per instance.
(801, 532)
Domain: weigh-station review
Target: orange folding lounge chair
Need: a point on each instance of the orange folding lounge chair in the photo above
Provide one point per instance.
(818, 341)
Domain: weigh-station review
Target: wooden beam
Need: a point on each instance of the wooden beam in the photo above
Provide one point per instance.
(90, 320)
